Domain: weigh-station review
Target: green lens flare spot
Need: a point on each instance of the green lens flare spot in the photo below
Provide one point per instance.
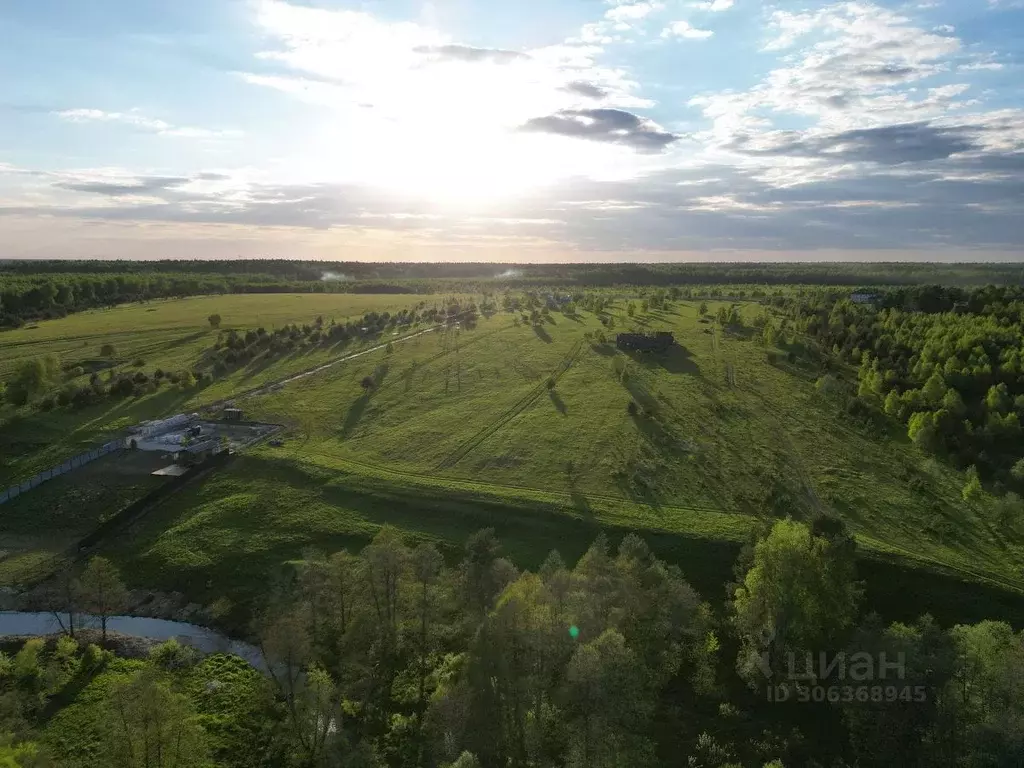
(574, 631)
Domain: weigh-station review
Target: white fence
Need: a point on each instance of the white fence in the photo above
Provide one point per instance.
(61, 469)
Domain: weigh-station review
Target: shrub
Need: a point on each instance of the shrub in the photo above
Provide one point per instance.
(138, 362)
(1009, 510)
(972, 488)
(172, 655)
(93, 657)
(551, 382)
(64, 396)
(123, 387)
(85, 396)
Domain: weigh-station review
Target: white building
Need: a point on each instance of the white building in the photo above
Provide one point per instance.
(161, 435)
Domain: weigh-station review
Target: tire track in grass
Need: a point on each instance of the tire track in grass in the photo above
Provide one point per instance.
(512, 411)
(271, 386)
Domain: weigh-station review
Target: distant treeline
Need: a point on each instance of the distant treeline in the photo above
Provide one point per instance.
(41, 289)
(47, 295)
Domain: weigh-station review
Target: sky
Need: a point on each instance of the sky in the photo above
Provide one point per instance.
(534, 130)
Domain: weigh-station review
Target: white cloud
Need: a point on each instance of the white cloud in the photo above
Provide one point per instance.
(412, 108)
(619, 23)
(865, 135)
(136, 120)
(977, 66)
(684, 29)
(633, 12)
(860, 85)
(858, 71)
(715, 5)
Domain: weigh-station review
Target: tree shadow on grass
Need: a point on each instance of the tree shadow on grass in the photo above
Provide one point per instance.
(358, 407)
(183, 340)
(677, 359)
(605, 350)
(542, 333)
(741, 331)
(558, 402)
(355, 414)
(256, 367)
(580, 502)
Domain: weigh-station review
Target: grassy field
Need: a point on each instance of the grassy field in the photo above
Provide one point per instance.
(462, 431)
(172, 335)
(526, 429)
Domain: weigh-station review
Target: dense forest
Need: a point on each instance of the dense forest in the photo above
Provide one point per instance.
(40, 289)
(390, 657)
(945, 363)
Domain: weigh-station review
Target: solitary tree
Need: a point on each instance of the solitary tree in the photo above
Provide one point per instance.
(214, 320)
(101, 591)
(108, 351)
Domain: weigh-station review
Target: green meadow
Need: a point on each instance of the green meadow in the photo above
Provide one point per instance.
(167, 335)
(529, 429)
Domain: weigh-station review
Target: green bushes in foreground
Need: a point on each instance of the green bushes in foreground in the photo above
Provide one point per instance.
(391, 657)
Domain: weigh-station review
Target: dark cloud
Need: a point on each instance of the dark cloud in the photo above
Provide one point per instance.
(890, 72)
(143, 185)
(964, 201)
(611, 126)
(585, 89)
(886, 145)
(470, 54)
